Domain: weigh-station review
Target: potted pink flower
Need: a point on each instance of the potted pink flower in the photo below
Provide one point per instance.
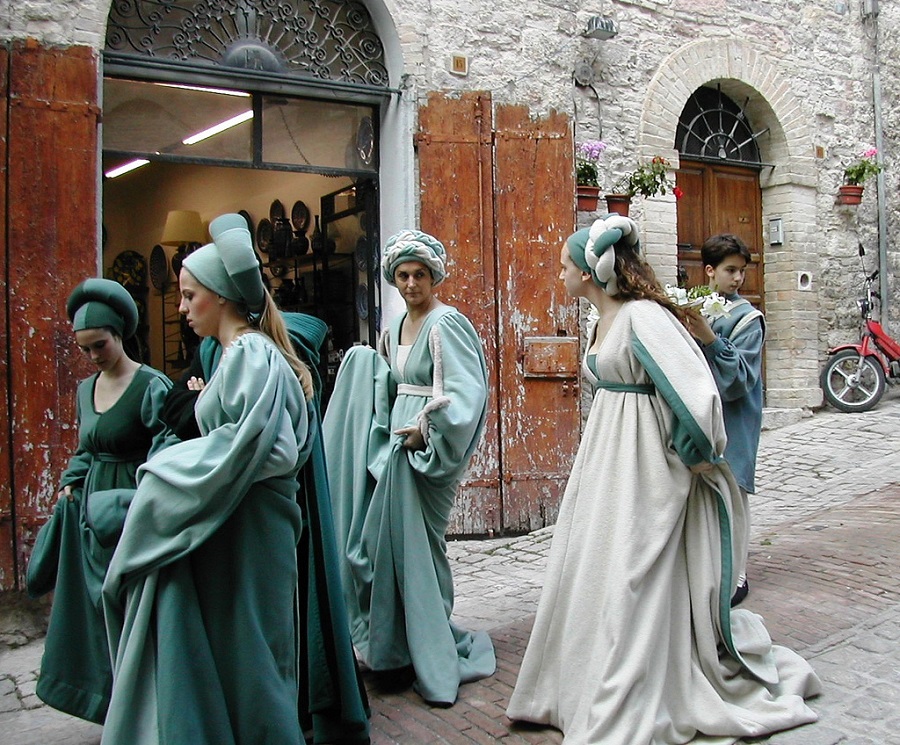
(587, 173)
(866, 166)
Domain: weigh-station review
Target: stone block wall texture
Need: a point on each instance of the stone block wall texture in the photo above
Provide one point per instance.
(806, 70)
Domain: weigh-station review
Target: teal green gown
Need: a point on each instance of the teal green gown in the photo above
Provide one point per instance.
(76, 674)
(332, 706)
(201, 594)
(392, 505)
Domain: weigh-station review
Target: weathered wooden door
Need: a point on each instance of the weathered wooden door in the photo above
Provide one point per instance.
(539, 396)
(48, 180)
(720, 199)
(497, 190)
(455, 143)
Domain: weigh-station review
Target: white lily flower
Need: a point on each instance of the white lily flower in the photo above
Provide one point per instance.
(714, 306)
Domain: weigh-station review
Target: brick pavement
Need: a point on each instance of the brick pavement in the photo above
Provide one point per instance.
(824, 573)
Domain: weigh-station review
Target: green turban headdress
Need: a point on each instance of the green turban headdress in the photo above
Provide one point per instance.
(99, 303)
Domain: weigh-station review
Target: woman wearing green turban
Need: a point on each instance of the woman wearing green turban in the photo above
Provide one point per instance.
(635, 640)
(119, 426)
(201, 597)
(400, 429)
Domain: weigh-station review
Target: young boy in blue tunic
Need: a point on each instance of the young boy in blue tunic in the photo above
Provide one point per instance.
(733, 348)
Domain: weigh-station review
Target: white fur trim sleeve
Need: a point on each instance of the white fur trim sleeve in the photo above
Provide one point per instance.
(438, 400)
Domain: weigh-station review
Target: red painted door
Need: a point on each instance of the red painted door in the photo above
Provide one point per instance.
(49, 189)
(497, 188)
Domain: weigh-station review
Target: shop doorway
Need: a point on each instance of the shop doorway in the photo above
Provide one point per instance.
(272, 112)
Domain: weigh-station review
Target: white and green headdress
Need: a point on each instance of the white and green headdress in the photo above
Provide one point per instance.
(414, 245)
(588, 248)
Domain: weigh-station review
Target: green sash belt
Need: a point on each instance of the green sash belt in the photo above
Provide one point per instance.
(611, 385)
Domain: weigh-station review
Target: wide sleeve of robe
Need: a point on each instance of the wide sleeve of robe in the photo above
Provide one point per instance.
(192, 487)
(453, 421)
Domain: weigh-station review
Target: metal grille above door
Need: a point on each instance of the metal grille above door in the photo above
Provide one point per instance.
(326, 40)
(712, 127)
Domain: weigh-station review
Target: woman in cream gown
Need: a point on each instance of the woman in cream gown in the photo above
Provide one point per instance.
(635, 642)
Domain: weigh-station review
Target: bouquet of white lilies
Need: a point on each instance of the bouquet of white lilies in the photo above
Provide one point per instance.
(710, 304)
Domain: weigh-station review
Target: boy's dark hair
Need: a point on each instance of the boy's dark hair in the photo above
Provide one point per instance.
(719, 247)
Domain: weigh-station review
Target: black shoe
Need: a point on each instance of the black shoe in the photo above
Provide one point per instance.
(740, 594)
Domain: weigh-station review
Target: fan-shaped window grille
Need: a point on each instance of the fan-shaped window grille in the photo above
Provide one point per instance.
(318, 39)
(712, 127)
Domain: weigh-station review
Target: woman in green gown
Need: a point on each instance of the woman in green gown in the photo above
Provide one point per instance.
(118, 426)
(400, 429)
(201, 594)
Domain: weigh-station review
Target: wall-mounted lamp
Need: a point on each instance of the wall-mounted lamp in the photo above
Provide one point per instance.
(601, 27)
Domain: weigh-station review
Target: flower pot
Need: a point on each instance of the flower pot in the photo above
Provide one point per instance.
(587, 197)
(618, 203)
(849, 194)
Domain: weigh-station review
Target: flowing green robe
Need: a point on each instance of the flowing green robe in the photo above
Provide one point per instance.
(200, 596)
(332, 697)
(76, 674)
(392, 505)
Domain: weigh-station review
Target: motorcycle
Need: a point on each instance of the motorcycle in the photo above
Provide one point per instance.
(855, 375)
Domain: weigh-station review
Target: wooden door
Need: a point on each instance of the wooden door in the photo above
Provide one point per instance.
(49, 185)
(719, 199)
(498, 201)
(455, 156)
(540, 420)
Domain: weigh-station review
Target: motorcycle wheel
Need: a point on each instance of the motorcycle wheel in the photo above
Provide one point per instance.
(849, 387)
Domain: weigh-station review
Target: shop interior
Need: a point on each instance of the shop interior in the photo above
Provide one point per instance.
(305, 184)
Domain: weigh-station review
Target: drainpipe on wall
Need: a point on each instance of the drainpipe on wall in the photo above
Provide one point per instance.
(879, 179)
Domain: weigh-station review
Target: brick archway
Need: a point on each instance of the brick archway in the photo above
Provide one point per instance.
(788, 191)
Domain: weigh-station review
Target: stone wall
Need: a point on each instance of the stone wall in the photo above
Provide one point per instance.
(805, 70)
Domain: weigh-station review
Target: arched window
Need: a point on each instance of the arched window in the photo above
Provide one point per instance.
(712, 127)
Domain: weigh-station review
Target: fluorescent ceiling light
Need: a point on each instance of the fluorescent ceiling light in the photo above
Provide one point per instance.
(220, 91)
(130, 166)
(220, 127)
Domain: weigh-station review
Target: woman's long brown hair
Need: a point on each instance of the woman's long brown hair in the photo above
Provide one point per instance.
(637, 281)
(272, 325)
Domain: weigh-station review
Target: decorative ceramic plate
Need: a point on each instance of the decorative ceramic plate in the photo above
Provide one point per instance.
(159, 267)
(129, 269)
(276, 210)
(300, 216)
(362, 253)
(362, 301)
(265, 231)
(365, 140)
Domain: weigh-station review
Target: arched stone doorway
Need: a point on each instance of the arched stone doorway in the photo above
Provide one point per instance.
(787, 190)
(719, 177)
(297, 93)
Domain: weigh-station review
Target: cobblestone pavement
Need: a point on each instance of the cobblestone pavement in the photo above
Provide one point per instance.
(824, 571)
